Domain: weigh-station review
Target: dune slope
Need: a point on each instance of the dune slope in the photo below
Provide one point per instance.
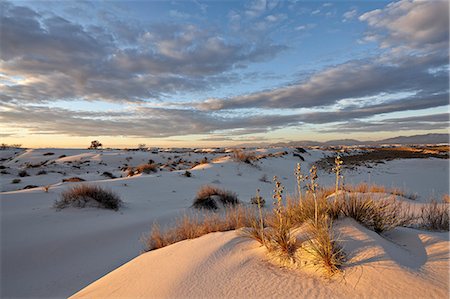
(407, 263)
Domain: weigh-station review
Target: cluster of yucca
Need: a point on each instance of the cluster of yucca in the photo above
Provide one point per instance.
(311, 214)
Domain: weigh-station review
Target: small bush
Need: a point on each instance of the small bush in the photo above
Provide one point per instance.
(73, 180)
(48, 154)
(187, 174)
(264, 179)
(245, 157)
(435, 216)
(84, 195)
(208, 197)
(23, 173)
(108, 175)
(258, 200)
(16, 181)
(41, 172)
(29, 187)
(147, 168)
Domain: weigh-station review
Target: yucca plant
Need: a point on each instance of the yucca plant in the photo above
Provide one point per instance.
(312, 187)
(279, 239)
(300, 178)
(323, 246)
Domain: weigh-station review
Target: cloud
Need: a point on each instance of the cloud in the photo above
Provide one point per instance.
(353, 79)
(349, 15)
(412, 24)
(117, 61)
(138, 122)
(427, 122)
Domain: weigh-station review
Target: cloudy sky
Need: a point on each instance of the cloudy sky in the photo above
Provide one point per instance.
(211, 73)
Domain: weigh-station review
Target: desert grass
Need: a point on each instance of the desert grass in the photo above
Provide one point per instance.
(323, 247)
(147, 168)
(435, 216)
(299, 230)
(209, 196)
(196, 225)
(73, 179)
(377, 215)
(85, 195)
(244, 157)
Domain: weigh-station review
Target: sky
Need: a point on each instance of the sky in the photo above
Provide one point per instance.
(218, 73)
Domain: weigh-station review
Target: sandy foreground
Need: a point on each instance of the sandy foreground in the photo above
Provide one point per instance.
(408, 263)
(54, 254)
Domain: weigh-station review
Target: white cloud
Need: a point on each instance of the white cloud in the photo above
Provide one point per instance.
(349, 15)
(411, 24)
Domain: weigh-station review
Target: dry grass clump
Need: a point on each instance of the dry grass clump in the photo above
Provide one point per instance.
(84, 195)
(197, 225)
(209, 196)
(23, 173)
(242, 156)
(258, 199)
(73, 180)
(323, 246)
(435, 216)
(377, 215)
(147, 168)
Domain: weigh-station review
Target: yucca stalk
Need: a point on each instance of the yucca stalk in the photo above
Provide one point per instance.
(261, 220)
(337, 169)
(300, 178)
(312, 188)
(278, 197)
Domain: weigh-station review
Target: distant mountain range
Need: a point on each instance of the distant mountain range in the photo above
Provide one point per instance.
(415, 139)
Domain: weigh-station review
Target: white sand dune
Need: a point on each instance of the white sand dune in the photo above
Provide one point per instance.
(410, 264)
(49, 253)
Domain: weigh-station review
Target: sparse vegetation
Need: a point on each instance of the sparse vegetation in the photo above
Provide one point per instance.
(194, 226)
(16, 181)
(322, 245)
(208, 197)
(5, 146)
(242, 156)
(73, 180)
(23, 173)
(435, 216)
(29, 187)
(263, 178)
(85, 195)
(257, 199)
(147, 168)
(108, 175)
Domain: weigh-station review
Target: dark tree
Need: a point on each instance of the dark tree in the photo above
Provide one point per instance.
(95, 144)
